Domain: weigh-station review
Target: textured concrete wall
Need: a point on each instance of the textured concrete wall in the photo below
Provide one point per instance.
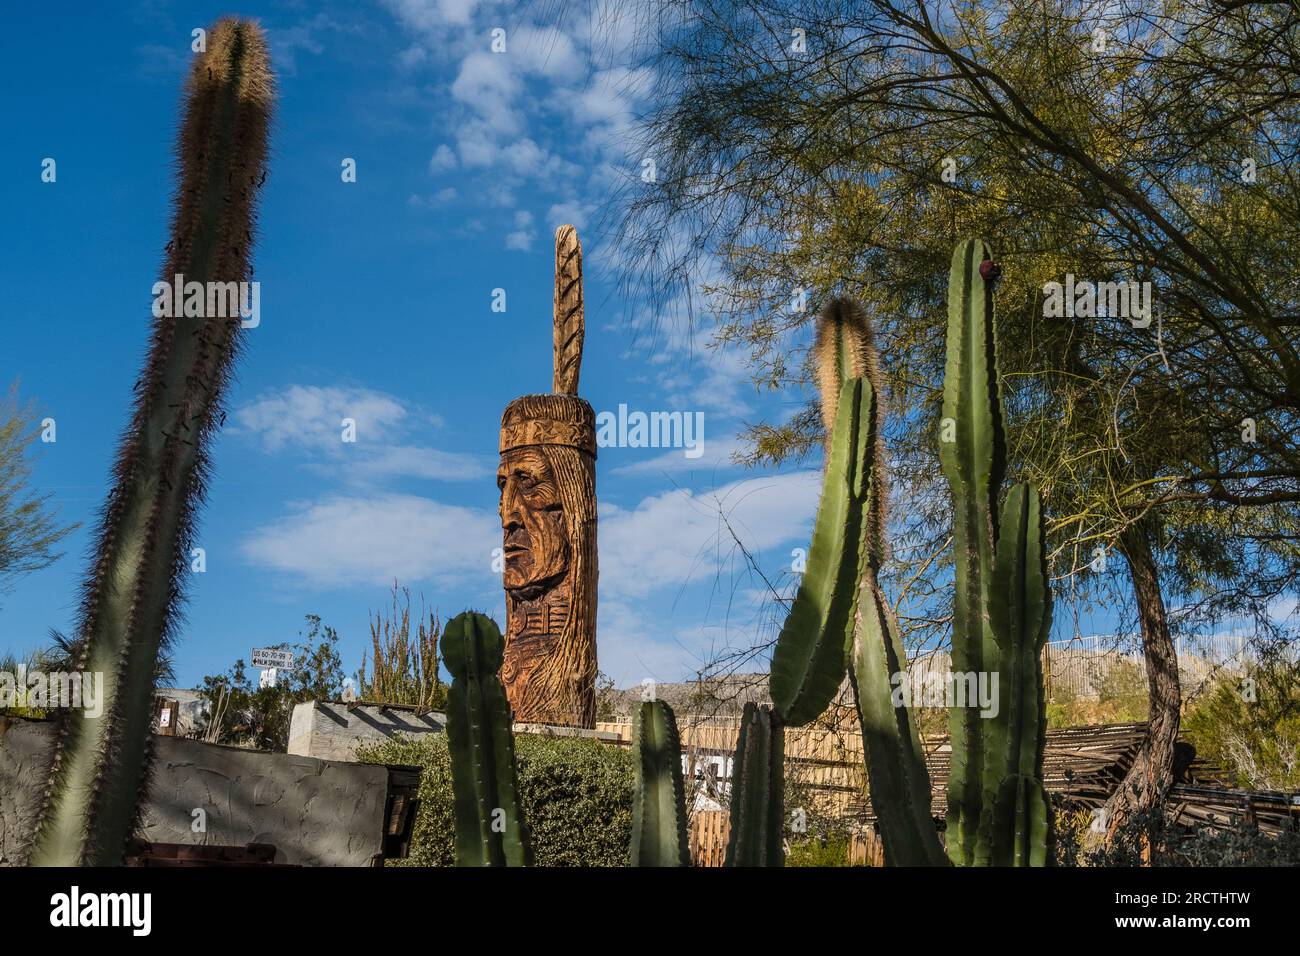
(314, 812)
(25, 751)
(333, 732)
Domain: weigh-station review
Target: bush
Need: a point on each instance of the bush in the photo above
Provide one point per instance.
(576, 796)
(1250, 725)
(830, 852)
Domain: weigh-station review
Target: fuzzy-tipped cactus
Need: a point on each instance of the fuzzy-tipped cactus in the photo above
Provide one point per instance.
(898, 779)
(490, 827)
(1002, 604)
(131, 603)
(758, 791)
(658, 799)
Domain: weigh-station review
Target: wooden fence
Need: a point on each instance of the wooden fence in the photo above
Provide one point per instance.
(826, 765)
(824, 762)
(708, 837)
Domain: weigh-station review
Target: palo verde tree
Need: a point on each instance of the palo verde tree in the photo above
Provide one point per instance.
(29, 529)
(839, 146)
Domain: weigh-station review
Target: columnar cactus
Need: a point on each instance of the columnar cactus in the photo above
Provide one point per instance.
(490, 827)
(1022, 617)
(1002, 606)
(658, 800)
(758, 791)
(131, 603)
(808, 663)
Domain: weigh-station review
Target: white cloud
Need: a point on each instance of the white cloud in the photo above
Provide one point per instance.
(431, 16)
(632, 647)
(573, 213)
(523, 235)
(372, 541)
(716, 457)
(545, 51)
(439, 199)
(675, 538)
(527, 160)
(308, 420)
(487, 82)
(311, 416)
(443, 158)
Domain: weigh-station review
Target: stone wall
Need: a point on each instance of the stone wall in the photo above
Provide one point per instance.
(314, 812)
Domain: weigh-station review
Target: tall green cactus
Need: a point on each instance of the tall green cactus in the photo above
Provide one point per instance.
(130, 605)
(490, 826)
(658, 799)
(758, 791)
(809, 660)
(1001, 607)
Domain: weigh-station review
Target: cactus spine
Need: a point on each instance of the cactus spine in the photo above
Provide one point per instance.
(658, 799)
(1002, 604)
(131, 603)
(490, 828)
(758, 791)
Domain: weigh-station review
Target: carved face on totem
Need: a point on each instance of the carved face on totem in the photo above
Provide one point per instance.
(535, 540)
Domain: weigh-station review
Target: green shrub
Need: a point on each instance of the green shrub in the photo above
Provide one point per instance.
(576, 796)
(1249, 724)
(1068, 836)
(830, 852)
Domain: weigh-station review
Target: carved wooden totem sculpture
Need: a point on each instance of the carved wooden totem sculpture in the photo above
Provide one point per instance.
(547, 479)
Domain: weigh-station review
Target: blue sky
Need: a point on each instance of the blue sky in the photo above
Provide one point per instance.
(375, 305)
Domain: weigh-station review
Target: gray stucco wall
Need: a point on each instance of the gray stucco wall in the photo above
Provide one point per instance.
(314, 812)
(333, 732)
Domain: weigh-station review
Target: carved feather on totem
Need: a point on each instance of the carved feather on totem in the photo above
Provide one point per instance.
(570, 324)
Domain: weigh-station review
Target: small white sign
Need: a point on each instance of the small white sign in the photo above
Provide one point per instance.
(270, 657)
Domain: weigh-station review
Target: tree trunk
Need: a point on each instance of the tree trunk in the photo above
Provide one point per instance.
(1152, 774)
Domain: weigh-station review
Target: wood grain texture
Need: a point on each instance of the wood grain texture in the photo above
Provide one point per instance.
(570, 323)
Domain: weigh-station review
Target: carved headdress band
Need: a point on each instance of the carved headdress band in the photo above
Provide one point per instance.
(549, 431)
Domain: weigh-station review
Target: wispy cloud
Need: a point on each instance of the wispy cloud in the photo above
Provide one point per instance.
(349, 541)
(316, 421)
(677, 538)
(717, 457)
